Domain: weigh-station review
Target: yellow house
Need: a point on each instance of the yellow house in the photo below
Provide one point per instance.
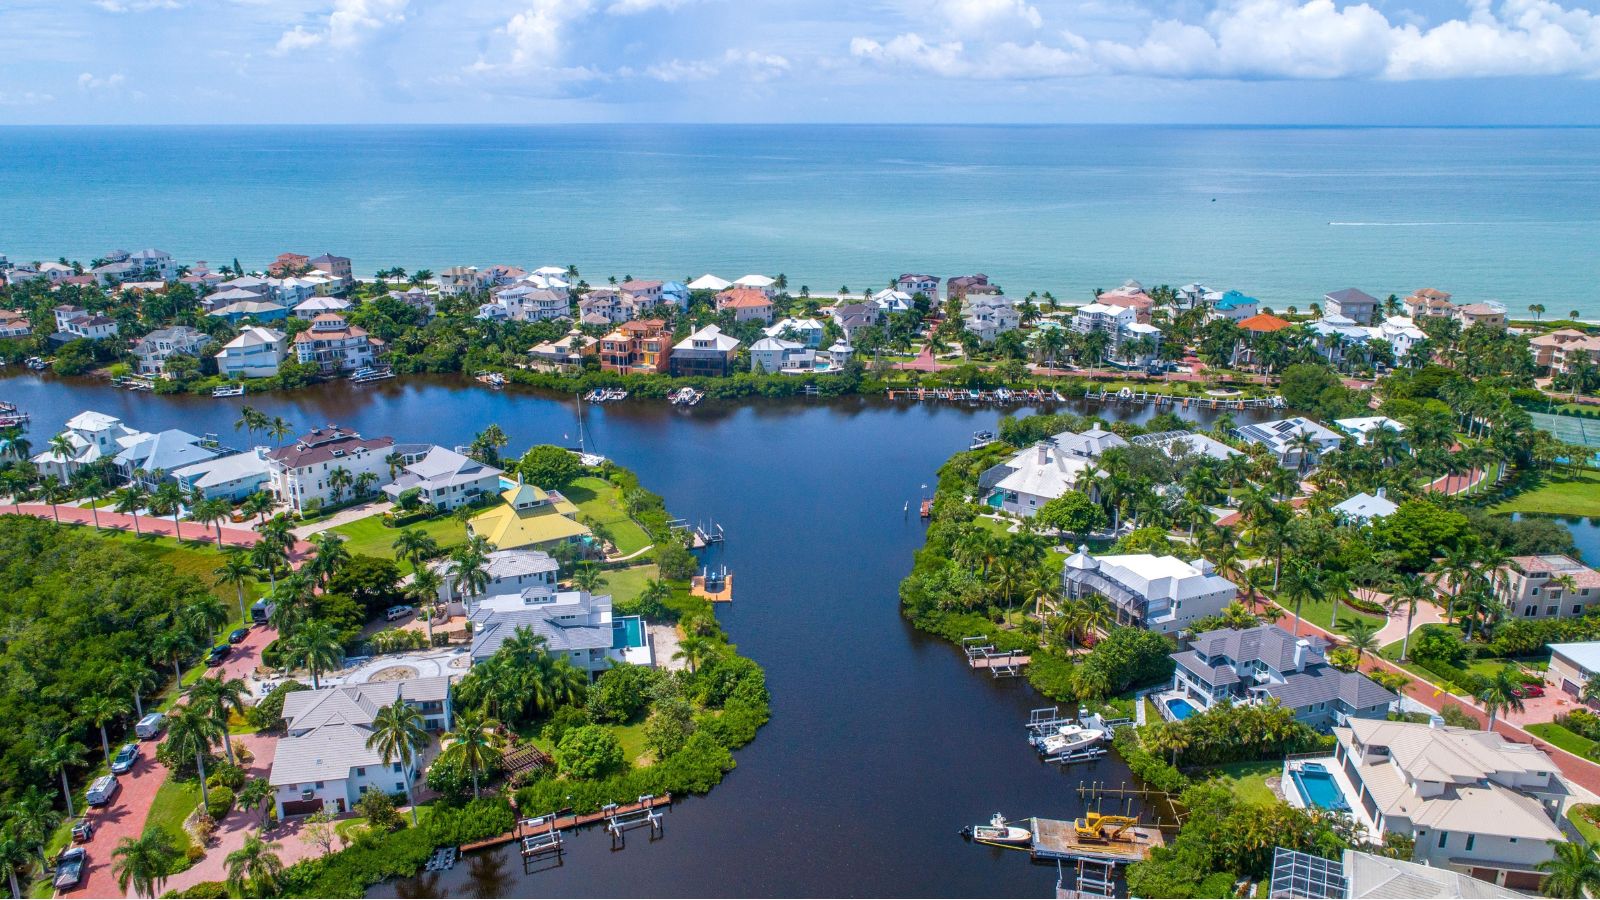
(530, 517)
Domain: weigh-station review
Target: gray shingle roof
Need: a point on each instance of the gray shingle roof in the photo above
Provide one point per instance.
(1267, 643)
(1324, 683)
(494, 628)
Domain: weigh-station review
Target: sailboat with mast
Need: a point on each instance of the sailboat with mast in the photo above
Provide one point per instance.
(585, 455)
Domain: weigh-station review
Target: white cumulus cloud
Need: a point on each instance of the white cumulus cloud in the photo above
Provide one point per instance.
(750, 65)
(347, 24)
(89, 81)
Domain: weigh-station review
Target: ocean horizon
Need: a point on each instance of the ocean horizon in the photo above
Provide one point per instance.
(1285, 213)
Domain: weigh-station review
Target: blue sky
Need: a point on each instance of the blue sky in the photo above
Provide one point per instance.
(533, 61)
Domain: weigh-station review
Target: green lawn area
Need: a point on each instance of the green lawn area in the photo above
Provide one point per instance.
(173, 803)
(1569, 741)
(632, 739)
(1247, 780)
(626, 584)
(1590, 833)
(1320, 612)
(600, 501)
(370, 537)
(1558, 495)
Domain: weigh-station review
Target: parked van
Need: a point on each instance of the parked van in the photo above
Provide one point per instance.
(261, 611)
(103, 789)
(151, 725)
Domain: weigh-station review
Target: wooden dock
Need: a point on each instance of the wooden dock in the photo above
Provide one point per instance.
(999, 661)
(697, 587)
(564, 821)
(1057, 839)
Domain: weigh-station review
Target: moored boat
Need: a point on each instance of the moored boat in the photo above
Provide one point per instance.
(999, 831)
(1069, 739)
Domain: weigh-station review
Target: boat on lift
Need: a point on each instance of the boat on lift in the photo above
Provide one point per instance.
(1070, 738)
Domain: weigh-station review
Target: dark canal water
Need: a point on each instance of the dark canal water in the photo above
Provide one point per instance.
(882, 743)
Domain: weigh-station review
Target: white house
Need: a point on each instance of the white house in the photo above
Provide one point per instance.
(1282, 438)
(709, 282)
(914, 284)
(154, 349)
(323, 763)
(231, 477)
(255, 353)
(762, 283)
(808, 331)
(1159, 593)
(1045, 471)
(773, 355)
(156, 455)
(508, 572)
(989, 316)
(92, 436)
(575, 625)
(333, 344)
(1362, 428)
(446, 479)
(1364, 508)
(308, 309)
(301, 471)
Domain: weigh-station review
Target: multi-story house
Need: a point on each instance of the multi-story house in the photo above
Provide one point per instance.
(575, 625)
(255, 353)
(989, 316)
(643, 294)
(643, 346)
(1132, 342)
(1267, 664)
(763, 283)
(1487, 314)
(1158, 593)
(458, 280)
(338, 268)
(446, 480)
(772, 355)
(507, 573)
(288, 264)
(91, 436)
(302, 472)
(154, 349)
(957, 287)
(604, 304)
(705, 352)
(747, 304)
(1352, 303)
(335, 345)
(913, 284)
(852, 317)
(1036, 475)
(809, 332)
(1547, 587)
(1429, 303)
(14, 324)
(1297, 442)
(324, 764)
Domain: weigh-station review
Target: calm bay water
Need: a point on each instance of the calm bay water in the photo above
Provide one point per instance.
(882, 743)
(1285, 214)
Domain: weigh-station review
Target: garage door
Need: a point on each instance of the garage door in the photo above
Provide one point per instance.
(301, 807)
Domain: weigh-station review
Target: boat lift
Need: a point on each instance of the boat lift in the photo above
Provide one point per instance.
(618, 824)
(543, 850)
(981, 654)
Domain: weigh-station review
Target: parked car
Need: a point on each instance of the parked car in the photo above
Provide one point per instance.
(398, 612)
(238, 635)
(122, 763)
(82, 832)
(218, 654)
(69, 867)
(261, 611)
(151, 725)
(102, 790)
(1530, 690)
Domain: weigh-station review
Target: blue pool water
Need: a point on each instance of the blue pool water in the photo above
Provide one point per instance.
(627, 632)
(1180, 708)
(1318, 790)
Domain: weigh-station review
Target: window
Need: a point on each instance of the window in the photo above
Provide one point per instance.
(1577, 608)
(1529, 610)
(1471, 839)
(319, 785)
(397, 767)
(1443, 836)
(1551, 610)
(361, 770)
(399, 785)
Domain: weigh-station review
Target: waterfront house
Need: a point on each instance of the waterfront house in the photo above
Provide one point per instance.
(1179, 444)
(155, 455)
(748, 304)
(75, 323)
(523, 302)
(605, 304)
(1363, 428)
(255, 353)
(809, 332)
(289, 264)
(576, 625)
(705, 352)
(1132, 342)
(709, 282)
(1233, 306)
(301, 472)
(458, 280)
(763, 283)
(989, 316)
(1472, 801)
(1546, 586)
(231, 477)
(1267, 664)
(1402, 334)
(253, 310)
(14, 324)
(508, 573)
(1159, 593)
(92, 436)
(1429, 303)
(334, 345)
(1356, 875)
(642, 294)
(309, 308)
(891, 301)
(852, 317)
(446, 479)
(1571, 667)
(643, 346)
(1365, 508)
(1352, 303)
(1282, 438)
(1193, 295)
(227, 296)
(323, 764)
(1138, 301)
(531, 517)
(957, 287)
(564, 354)
(913, 284)
(772, 355)
(1487, 314)
(1047, 470)
(337, 268)
(154, 349)
(1553, 350)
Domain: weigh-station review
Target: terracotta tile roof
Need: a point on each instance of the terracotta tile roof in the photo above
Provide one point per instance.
(742, 298)
(1263, 322)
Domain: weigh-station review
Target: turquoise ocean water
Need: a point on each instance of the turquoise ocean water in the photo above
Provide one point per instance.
(1285, 214)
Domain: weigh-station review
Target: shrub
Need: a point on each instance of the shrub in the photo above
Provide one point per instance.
(1051, 675)
(219, 802)
(268, 714)
(226, 775)
(1458, 717)
(622, 692)
(589, 751)
(564, 719)
(478, 819)
(205, 890)
(380, 812)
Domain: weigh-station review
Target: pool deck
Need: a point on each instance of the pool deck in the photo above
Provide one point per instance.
(1291, 792)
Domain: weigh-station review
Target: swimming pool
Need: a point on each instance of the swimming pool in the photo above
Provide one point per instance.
(627, 632)
(1318, 790)
(1180, 708)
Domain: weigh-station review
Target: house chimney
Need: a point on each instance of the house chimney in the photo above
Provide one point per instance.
(1382, 492)
(1044, 453)
(1301, 648)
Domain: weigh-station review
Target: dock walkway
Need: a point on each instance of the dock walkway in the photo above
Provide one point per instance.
(1058, 839)
(564, 821)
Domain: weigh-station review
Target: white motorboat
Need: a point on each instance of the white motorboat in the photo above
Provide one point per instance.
(998, 831)
(1069, 739)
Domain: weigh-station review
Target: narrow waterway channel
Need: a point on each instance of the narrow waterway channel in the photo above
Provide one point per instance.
(882, 742)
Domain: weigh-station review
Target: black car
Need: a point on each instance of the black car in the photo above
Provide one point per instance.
(238, 635)
(218, 654)
(69, 867)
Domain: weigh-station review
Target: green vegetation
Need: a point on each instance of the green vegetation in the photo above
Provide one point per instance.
(1586, 818)
(602, 505)
(371, 537)
(1247, 780)
(1567, 740)
(1571, 494)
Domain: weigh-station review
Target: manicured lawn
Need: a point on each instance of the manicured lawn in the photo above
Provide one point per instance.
(1320, 612)
(174, 801)
(626, 584)
(1247, 780)
(370, 537)
(631, 737)
(1569, 741)
(1559, 495)
(600, 501)
(1590, 833)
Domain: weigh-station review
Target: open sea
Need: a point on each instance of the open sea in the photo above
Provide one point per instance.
(1285, 214)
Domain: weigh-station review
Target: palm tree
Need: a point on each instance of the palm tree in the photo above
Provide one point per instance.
(169, 499)
(316, 645)
(257, 793)
(471, 569)
(50, 488)
(145, 861)
(93, 489)
(254, 868)
(133, 676)
(14, 859)
(100, 710)
(475, 739)
(398, 736)
(172, 645)
(414, 546)
(218, 698)
(1573, 871)
(424, 589)
(1301, 583)
(329, 555)
(132, 499)
(693, 649)
(1501, 693)
(1360, 636)
(1591, 689)
(258, 505)
(33, 819)
(588, 577)
(61, 448)
(237, 569)
(204, 616)
(191, 729)
(1411, 590)
(279, 429)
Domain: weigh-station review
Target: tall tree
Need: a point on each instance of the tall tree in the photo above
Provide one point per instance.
(398, 736)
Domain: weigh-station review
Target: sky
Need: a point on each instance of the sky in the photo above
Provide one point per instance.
(1290, 62)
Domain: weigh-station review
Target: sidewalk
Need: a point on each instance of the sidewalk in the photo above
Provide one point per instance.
(344, 517)
(159, 525)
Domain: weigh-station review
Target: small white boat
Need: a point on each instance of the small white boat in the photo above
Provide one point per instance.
(981, 439)
(228, 390)
(1069, 739)
(368, 374)
(37, 364)
(999, 831)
